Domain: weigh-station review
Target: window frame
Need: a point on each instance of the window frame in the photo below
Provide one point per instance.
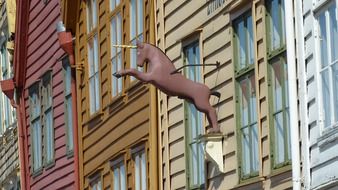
(92, 34)
(35, 89)
(113, 14)
(68, 96)
(323, 7)
(244, 74)
(139, 151)
(278, 53)
(46, 87)
(96, 179)
(193, 42)
(133, 39)
(119, 161)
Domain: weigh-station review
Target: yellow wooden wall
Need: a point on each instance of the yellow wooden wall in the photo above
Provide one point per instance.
(123, 122)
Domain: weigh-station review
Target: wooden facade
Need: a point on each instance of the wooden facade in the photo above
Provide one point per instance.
(41, 80)
(117, 124)
(212, 24)
(9, 153)
(318, 120)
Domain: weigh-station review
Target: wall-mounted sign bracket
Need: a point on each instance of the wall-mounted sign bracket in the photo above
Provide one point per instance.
(213, 149)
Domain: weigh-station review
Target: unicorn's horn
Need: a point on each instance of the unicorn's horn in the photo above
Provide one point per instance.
(125, 46)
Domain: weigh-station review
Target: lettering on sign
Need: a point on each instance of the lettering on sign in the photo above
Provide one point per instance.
(213, 5)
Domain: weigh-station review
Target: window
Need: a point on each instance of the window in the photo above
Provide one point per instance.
(278, 85)
(67, 76)
(7, 116)
(96, 183)
(94, 89)
(91, 15)
(328, 64)
(119, 174)
(246, 96)
(36, 135)
(93, 57)
(136, 29)
(116, 53)
(140, 169)
(276, 26)
(47, 108)
(194, 125)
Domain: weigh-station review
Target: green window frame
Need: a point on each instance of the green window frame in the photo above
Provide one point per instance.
(36, 128)
(48, 119)
(67, 80)
(278, 85)
(194, 123)
(246, 102)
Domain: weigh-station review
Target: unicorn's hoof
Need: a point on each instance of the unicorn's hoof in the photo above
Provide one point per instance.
(117, 75)
(214, 130)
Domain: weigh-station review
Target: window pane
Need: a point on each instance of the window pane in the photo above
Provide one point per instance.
(244, 99)
(323, 40)
(277, 79)
(123, 177)
(92, 95)
(96, 54)
(143, 171)
(119, 67)
(279, 138)
(274, 25)
(69, 124)
(119, 29)
(133, 19)
(241, 45)
(97, 92)
(253, 106)
(137, 173)
(245, 151)
(254, 148)
(49, 136)
(140, 17)
(94, 15)
(251, 50)
(334, 33)
(326, 97)
(335, 89)
(113, 36)
(116, 179)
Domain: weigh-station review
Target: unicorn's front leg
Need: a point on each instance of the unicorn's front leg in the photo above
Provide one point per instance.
(144, 77)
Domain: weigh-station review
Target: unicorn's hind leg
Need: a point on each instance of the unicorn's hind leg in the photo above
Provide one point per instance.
(202, 104)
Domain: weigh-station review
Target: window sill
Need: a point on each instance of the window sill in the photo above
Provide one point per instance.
(116, 102)
(328, 136)
(249, 181)
(37, 172)
(318, 5)
(50, 164)
(274, 53)
(70, 154)
(283, 169)
(95, 117)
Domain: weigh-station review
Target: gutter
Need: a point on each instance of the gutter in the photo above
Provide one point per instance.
(292, 77)
(66, 43)
(302, 93)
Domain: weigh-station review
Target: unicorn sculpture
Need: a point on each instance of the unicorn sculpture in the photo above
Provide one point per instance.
(162, 74)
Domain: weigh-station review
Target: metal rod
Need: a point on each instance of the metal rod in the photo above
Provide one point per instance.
(196, 65)
(125, 46)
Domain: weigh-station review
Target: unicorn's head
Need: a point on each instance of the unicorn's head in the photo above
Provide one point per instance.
(142, 52)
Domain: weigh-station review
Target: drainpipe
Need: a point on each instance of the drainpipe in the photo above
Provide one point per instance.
(66, 43)
(302, 93)
(291, 61)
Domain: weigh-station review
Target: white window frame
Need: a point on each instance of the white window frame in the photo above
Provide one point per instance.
(93, 75)
(67, 79)
(119, 173)
(140, 168)
(323, 6)
(137, 25)
(116, 53)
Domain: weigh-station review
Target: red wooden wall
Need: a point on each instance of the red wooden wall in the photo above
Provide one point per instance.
(43, 52)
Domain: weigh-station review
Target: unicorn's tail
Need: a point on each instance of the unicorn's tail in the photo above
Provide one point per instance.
(215, 93)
